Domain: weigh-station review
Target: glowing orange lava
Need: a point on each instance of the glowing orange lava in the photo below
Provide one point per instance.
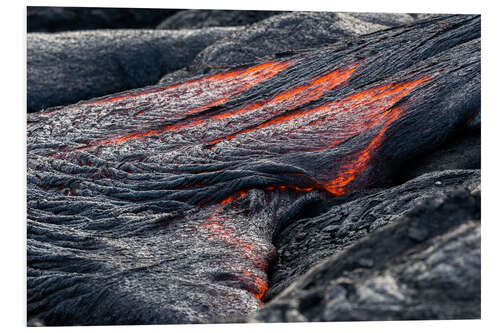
(356, 114)
(236, 196)
(290, 99)
(373, 101)
(217, 230)
(298, 95)
(255, 74)
(230, 84)
(285, 100)
(259, 284)
(330, 124)
(237, 82)
(353, 166)
(283, 188)
(378, 108)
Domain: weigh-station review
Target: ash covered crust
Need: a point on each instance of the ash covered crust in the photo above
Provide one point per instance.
(196, 200)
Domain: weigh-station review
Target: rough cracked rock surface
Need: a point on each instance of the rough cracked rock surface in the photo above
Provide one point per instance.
(284, 33)
(196, 19)
(197, 201)
(65, 68)
(302, 242)
(461, 151)
(57, 19)
(425, 264)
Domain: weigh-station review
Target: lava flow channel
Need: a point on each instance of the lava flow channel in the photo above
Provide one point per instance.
(152, 107)
(380, 110)
(330, 124)
(285, 100)
(356, 113)
(308, 130)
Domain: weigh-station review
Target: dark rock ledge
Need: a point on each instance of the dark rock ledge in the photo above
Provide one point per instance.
(425, 264)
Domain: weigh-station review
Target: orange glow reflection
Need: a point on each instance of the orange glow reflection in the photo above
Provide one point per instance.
(238, 81)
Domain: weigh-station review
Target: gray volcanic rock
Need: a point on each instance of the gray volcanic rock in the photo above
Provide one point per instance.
(279, 33)
(424, 16)
(57, 19)
(95, 261)
(461, 151)
(303, 242)
(386, 19)
(287, 32)
(199, 18)
(425, 264)
(65, 68)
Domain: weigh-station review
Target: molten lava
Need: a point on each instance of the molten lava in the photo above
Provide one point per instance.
(202, 94)
(283, 101)
(241, 79)
(219, 230)
(233, 197)
(377, 108)
(352, 166)
(294, 97)
(346, 118)
(364, 109)
(278, 120)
